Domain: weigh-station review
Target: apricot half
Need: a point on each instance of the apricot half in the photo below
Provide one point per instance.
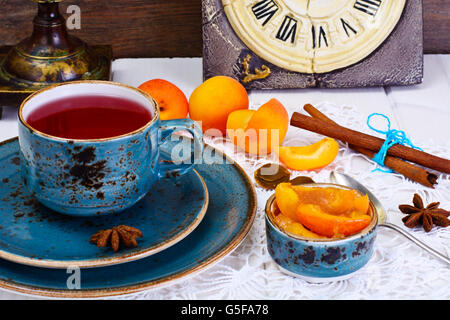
(293, 227)
(332, 200)
(329, 225)
(309, 157)
(287, 200)
(361, 203)
(324, 211)
(261, 131)
(237, 123)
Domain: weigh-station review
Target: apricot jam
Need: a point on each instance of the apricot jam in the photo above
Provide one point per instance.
(317, 212)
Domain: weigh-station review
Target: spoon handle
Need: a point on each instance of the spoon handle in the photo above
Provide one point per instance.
(416, 241)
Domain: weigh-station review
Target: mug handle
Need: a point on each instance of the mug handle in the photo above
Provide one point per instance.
(167, 166)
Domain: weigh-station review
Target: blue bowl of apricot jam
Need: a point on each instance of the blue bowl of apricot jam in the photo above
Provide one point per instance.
(339, 250)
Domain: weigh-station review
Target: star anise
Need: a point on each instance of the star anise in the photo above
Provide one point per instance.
(425, 216)
(117, 236)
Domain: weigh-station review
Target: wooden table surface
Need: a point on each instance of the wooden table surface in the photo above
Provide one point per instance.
(423, 111)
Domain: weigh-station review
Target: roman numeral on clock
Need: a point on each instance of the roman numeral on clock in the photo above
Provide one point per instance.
(287, 30)
(265, 9)
(320, 39)
(368, 6)
(347, 27)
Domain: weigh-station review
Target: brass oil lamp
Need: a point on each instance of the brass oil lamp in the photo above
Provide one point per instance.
(50, 55)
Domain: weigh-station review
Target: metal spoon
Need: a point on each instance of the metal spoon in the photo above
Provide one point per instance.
(343, 179)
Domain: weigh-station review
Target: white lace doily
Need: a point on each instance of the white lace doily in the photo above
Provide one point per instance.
(397, 270)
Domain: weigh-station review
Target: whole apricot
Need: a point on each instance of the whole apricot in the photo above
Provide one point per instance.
(212, 102)
(172, 102)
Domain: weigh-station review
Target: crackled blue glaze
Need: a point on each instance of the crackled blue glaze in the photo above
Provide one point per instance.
(87, 178)
(317, 260)
(27, 224)
(32, 234)
(90, 177)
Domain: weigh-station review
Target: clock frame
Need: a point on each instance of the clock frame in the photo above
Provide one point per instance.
(339, 43)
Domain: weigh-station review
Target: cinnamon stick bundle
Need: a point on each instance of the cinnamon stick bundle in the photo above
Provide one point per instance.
(369, 142)
(407, 169)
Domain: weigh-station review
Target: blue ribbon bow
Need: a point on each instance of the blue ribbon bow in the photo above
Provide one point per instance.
(392, 137)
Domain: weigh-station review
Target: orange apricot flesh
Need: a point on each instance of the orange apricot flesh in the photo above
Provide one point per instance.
(314, 156)
(293, 227)
(327, 212)
(270, 124)
(287, 200)
(329, 225)
(332, 200)
(259, 131)
(237, 123)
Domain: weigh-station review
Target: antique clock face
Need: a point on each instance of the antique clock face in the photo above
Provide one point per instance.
(313, 36)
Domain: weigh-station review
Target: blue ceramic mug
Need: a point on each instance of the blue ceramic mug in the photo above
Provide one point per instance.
(99, 176)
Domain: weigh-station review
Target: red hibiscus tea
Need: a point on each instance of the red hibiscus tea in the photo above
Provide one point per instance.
(89, 117)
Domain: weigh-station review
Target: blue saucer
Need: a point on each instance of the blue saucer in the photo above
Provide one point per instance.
(230, 214)
(33, 234)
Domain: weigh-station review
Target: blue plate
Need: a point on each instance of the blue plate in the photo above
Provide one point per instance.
(230, 214)
(34, 235)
